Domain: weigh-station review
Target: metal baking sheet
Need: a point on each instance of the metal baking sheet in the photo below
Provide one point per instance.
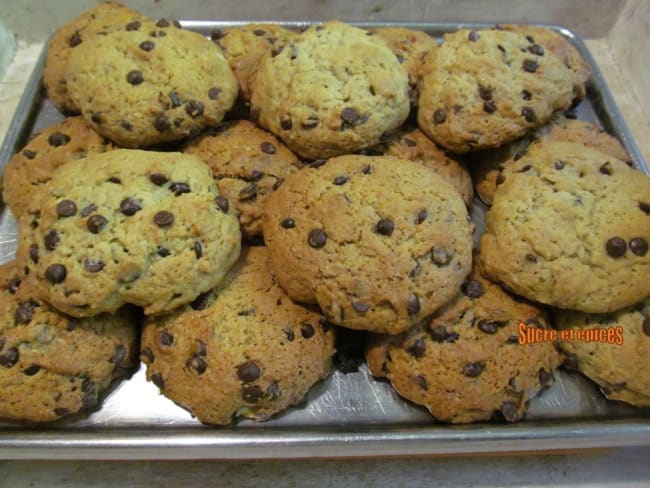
(347, 415)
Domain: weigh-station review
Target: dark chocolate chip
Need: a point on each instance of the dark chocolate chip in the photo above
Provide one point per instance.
(278, 182)
(57, 139)
(439, 116)
(544, 377)
(198, 249)
(255, 175)
(62, 412)
(273, 391)
(307, 330)
(146, 46)
(512, 339)
(197, 363)
(157, 380)
(115, 180)
(415, 271)
(285, 122)
(359, 306)
(97, 118)
(158, 179)
(616, 247)
(438, 333)
(485, 93)
(407, 141)
(418, 348)
(472, 370)
(267, 148)
(349, 115)
(131, 26)
(96, 223)
(526, 95)
(289, 333)
(646, 326)
(222, 203)
(288, 223)
(126, 125)
(606, 169)
(530, 65)
(440, 256)
(13, 285)
(194, 108)
(163, 252)
(536, 49)
(639, 246)
(134, 77)
(249, 192)
(531, 258)
(317, 163)
(24, 313)
(201, 301)
(201, 348)
(489, 107)
(163, 23)
(421, 216)
(277, 50)
(472, 289)
(163, 218)
(247, 312)
(252, 393)
(166, 339)
(119, 355)
(558, 164)
(33, 253)
(413, 305)
(510, 411)
(214, 92)
(473, 36)
(29, 154)
(75, 39)
(161, 123)
(385, 227)
(147, 355)
(31, 370)
(9, 357)
(129, 207)
(51, 240)
(500, 179)
(248, 371)
(340, 180)
(93, 265)
(645, 207)
(317, 238)
(487, 326)
(421, 382)
(259, 32)
(178, 188)
(529, 114)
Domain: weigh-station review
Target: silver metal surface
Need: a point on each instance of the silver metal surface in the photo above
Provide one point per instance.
(344, 416)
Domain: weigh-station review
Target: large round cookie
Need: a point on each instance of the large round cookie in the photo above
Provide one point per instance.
(129, 226)
(490, 87)
(150, 85)
(248, 164)
(378, 242)
(32, 167)
(331, 91)
(100, 19)
(467, 362)
(571, 238)
(242, 350)
(617, 361)
(51, 365)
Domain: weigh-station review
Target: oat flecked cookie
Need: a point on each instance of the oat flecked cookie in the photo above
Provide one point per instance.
(617, 360)
(571, 236)
(488, 168)
(100, 19)
(151, 85)
(51, 365)
(32, 167)
(378, 242)
(248, 164)
(242, 350)
(331, 91)
(129, 226)
(246, 45)
(466, 363)
(489, 87)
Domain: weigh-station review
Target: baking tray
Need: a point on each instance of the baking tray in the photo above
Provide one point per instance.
(347, 415)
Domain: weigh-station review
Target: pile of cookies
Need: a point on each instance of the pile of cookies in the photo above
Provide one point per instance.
(229, 201)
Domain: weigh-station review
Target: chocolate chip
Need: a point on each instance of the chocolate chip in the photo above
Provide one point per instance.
(407, 141)
(489, 107)
(413, 305)
(255, 175)
(530, 65)
(311, 122)
(472, 289)
(472, 370)
(418, 348)
(96, 118)
(96, 223)
(248, 371)
(558, 164)
(51, 240)
(531, 258)
(134, 77)
(349, 115)
(422, 216)
(200, 302)
(487, 326)
(512, 339)
(317, 238)
(289, 333)
(440, 256)
(439, 116)
(31, 370)
(158, 179)
(288, 223)
(385, 227)
(214, 92)
(163, 218)
(202, 349)
(267, 148)
(252, 393)
(544, 377)
(645, 207)
(163, 252)
(359, 306)
(33, 253)
(146, 46)
(24, 313)
(75, 39)
(247, 312)
(277, 50)
(317, 163)
(421, 382)
(147, 354)
(606, 169)
(273, 391)
(415, 271)
(340, 180)
(93, 265)
(249, 192)
(438, 333)
(119, 355)
(29, 154)
(198, 249)
(163, 23)
(307, 330)
(510, 411)
(526, 95)
(57, 139)
(473, 36)
(129, 207)
(61, 412)
(646, 326)
(529, 114)
(161, 123)
(222, 203)
(126, 125)
(178, 188)
(500, 179)
(131, 26)
(9, 357)
(286, 122)
(166, 339)
(639, 246)
(616, 247)
(194, 108)
(485, 93)
(13, 285)
(536, 49)
(157, 380)
(197, 363)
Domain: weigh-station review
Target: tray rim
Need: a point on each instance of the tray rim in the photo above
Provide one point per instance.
(346, 441)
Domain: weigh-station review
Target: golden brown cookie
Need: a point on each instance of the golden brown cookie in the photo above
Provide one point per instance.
(33, 166)
(248, 164)
(466, 363)
(378, 242)
(51, 365)
(242, 350)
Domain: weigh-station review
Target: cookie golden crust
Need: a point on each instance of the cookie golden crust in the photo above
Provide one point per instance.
(486, 88)
(570, 237)
(150, 85)
(465, 363)
(100, 19)
(331, 91)
(33, 166)
(618, 363)
(51, 365)
(242, 350)
(129, 226)
(378, 242)
(245, 46)
(248, 164)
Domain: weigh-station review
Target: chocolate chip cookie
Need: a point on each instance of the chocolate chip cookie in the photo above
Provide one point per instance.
(32, 166)
(51, 365)
(466, 363)
(611, 351)
(150, 85)
(98, 20)
(243, 350)
(333, 90)
(129, 226)
(489, 87)
(378, 242)
(248, 164)
(573, 233)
